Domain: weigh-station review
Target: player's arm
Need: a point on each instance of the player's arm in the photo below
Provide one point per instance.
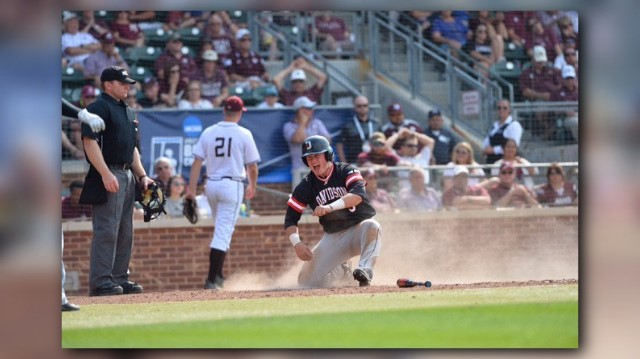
(193, 177)
(138, 170)
(291, 218)
(252, 176)
(347, 201)
(302, 250)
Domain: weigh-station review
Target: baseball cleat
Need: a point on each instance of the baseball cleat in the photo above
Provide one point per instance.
(363, 276)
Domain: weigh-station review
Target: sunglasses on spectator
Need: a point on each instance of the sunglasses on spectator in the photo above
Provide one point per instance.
(506, 172)
(178, 183)
(410, 145)
(569, 54)
(245, 39)
(503, 108)
(462, 152)
(162, 168)
(362, 105)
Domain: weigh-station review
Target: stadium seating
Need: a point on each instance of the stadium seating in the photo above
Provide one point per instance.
(156, 37)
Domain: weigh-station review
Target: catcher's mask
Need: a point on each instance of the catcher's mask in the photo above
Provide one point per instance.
(314, 145)
(153, 200)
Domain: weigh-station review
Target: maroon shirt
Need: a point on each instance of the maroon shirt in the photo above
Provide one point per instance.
(450, 194)
(287, 97)
(212, 86)
(334, 26)
(547, 80)
(188, 66)
(549, 196)
(564, 94)
(70, 210)
(498, 191)
(516, 20)
(252, 65)
(222, 44)
(129, 31)
(548, 40)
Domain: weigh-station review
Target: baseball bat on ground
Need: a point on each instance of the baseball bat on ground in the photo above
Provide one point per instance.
(408, 283)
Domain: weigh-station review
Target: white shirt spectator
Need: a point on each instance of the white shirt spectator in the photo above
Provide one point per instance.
(200, 105)
(264, 104)
(76, 40)
(513, 131)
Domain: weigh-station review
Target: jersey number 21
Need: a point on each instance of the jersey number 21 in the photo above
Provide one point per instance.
(220, 146)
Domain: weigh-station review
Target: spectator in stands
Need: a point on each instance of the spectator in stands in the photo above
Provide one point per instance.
(379, 154)
(500, 26)
(72, 149)
(76, 45)
(71, 207)
(173, 55)
(569, 57)
(510, 156)
(516, 24)
(132, 99)
(549, 20)
(175, 196)
(444, 139)
(418, 196)
(537, 83)
(213, 79)
(298, 82)
(173, 87)
(568, 37)
(504, 128)
(105, 57)
(424, 18)
(95, 27)
(449, 32)
(462, 154)
(270, 98)
(397, 121)
(244, 63)
(568, 92)
(485, 49)
(557, 191)
(193, 99)
(220, 40)
(539, 36)
(177, 20)
(88, 96)
(380, 199)
(145, 20)
(332, 33)
(356, 133)
(151, 90)
(463, 196)
(126, 32)
(508, 193)
(164, 170)
(415, 150)
(483, 17)
(298, 129)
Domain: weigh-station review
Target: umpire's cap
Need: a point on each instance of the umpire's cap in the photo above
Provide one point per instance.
(314, 145)
(116, 73)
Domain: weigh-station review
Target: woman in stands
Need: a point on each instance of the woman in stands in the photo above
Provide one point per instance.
(510, 156)
(462, 155)
(557, 191)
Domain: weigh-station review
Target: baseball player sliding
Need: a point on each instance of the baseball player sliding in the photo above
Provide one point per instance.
(336, 193)
(231, 157)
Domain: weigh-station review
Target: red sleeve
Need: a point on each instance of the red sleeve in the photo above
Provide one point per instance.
(296, 205)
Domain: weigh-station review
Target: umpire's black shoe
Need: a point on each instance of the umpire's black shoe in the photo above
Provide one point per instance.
(131, 288)
(107, 290)
(363, 276)
(69, 307)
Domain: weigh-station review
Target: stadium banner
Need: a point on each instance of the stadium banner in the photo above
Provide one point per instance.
(173, 133)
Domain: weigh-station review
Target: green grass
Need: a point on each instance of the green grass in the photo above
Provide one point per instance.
(526, 317)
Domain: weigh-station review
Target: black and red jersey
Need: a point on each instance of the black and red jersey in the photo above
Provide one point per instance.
(312, 191)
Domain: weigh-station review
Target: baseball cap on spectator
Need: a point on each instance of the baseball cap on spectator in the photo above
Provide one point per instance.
(89, 91)
(435, 112)
(394, 108)
(175, 37)
(116, 73)
(68, 15)
(108, 38)
(271, 91)
(234, 104)
(568, 72)
(460, 170)
(150, 81)
(303, 102)
(210, 55)
(539, 54)
(298, 74)
(242, 33)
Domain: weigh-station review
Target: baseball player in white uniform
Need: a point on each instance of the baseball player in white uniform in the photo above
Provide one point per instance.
(231, 157)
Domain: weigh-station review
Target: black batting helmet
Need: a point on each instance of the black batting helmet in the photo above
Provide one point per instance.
(314, 145)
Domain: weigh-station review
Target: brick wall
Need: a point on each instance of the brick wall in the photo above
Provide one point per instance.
(172, 254)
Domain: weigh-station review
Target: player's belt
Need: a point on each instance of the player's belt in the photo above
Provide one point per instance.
(239, 179)
(119, 166)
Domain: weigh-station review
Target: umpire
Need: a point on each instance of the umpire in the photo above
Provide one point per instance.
(110, 185)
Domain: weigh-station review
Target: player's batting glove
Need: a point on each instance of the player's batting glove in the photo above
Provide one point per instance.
(190, 210)
(94, 121)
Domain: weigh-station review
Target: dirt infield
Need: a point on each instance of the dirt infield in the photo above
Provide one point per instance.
(202, 295)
